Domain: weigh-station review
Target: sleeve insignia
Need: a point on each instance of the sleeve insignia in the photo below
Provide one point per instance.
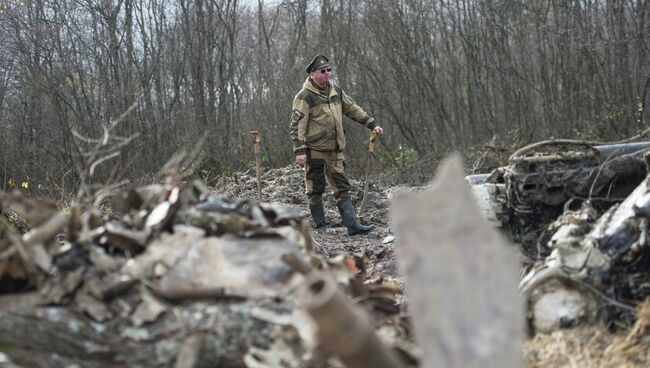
(297, 115)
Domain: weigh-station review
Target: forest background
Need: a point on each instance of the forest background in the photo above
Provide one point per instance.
(198, 75)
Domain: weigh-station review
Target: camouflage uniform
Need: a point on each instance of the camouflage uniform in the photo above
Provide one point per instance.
(317, 131)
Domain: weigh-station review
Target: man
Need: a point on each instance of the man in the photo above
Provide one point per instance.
(319, 140)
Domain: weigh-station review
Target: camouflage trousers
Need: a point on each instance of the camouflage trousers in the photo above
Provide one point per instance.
(324, 168)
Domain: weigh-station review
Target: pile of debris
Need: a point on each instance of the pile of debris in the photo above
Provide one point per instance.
(579, 214)
(174, 275)
(544, 179)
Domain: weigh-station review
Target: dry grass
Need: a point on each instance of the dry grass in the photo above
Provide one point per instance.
(593, 346)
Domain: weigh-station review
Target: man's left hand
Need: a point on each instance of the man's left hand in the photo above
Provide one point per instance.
(379, 130)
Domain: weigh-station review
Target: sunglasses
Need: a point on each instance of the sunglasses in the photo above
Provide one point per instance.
(328, 70)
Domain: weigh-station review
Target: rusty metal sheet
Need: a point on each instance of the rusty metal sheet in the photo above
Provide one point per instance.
(461, 277)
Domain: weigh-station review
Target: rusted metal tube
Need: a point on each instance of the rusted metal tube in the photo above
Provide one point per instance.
(573, 156)
(621, 149)
(344, 330)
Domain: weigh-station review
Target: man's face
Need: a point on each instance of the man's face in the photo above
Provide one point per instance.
(321, 76)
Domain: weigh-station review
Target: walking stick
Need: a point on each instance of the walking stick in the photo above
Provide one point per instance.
(371, 151)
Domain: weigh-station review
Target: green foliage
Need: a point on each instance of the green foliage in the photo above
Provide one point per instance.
(204, 174)
(205, 171)
(406, 156)
(264, 161)
(402, 157)
(226, 173)
(249, 164)
(588, 134)
(639, 110)
(511, 141)
(611, 114)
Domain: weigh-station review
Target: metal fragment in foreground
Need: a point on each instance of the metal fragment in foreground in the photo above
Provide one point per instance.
(461, 277)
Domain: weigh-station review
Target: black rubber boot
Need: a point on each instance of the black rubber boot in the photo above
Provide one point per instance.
(318, 216)
(346, 209)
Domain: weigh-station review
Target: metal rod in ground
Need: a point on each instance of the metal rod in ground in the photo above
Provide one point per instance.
(255, 136)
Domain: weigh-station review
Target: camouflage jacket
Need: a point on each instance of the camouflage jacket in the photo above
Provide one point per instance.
(317, 119)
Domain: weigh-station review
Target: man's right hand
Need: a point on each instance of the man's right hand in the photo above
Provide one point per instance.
(301, 160)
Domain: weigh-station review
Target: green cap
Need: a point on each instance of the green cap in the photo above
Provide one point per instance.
(318, 62)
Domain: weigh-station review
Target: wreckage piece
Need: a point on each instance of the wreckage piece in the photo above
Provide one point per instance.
(194, 266)
(461, 277)
(46, 231)
(596, 265)
(190, 353)
(529, 194)
(599, 147)
(556, 299)
(164, 212)
(139, 329)
(53, 337)
(35, 212)
(139, 306)
(26, 258)
(584, 245)
(112, 308)
(36, 239)
(115, 235)
(136, 328)
(626, 228)
(344, 330)
(490, 198)
(218, 215)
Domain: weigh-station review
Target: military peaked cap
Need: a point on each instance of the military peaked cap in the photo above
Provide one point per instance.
(318, 62)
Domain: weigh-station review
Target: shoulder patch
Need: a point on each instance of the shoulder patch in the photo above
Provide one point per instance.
(307, 96)
(296, 116)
